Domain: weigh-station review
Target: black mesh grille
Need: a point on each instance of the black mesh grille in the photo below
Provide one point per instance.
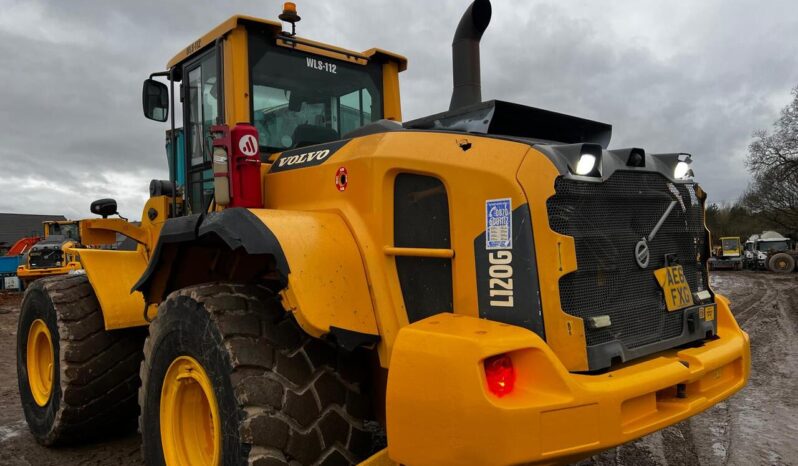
(606, 220)
(42, 258)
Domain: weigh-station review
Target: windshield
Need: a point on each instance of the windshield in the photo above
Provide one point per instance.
(67, 230)
(299, 99)
(730, 244)
(767, 246)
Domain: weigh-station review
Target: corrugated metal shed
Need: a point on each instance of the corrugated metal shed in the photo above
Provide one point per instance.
(16, 226)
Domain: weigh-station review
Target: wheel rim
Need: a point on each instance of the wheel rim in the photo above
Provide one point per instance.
(190, 427)
(40, 362)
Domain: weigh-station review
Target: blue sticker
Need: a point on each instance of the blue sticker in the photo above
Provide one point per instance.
(498, 224)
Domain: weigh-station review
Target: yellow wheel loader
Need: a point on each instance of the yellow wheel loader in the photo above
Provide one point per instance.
(54, 255)
(321, 284)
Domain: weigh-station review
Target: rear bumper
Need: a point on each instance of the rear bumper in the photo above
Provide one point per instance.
(27, 274)
(439, 411)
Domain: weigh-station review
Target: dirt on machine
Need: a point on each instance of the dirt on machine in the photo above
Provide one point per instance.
(321, 282)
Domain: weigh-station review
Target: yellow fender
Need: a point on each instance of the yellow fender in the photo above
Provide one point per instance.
(327, 287)
(311, 255)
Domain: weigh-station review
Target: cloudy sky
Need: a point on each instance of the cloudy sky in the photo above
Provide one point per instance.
(682, 75)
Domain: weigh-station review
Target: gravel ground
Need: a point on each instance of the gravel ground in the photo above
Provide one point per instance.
(759, 425)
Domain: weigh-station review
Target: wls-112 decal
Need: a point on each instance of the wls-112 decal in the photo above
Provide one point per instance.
(306, 156)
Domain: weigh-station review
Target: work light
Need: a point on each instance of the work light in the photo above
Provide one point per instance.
(586, 164)
(682, 171)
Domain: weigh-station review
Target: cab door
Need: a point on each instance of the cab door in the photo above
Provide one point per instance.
(202, 101)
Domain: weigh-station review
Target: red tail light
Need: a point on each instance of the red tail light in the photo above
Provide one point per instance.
(500, 374)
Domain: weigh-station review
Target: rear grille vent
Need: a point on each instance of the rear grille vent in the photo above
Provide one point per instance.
(606, 220)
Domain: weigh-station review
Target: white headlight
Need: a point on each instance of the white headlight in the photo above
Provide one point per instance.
(586, 164)
(681, 170)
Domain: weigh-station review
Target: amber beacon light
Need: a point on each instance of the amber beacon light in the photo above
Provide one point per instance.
(289, 15)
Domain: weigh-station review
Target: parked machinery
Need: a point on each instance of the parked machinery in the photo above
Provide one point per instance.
(320, 276)
(760, 250)
(54, 255)
(729, 255)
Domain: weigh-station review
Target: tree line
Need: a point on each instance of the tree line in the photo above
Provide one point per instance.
(771, 200)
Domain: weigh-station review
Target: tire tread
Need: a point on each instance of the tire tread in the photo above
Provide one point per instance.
(288, 385)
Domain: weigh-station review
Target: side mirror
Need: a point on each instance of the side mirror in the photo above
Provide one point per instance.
(104, 207)
(155, 100)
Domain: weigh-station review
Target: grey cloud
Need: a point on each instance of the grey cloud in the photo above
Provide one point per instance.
(686, 76)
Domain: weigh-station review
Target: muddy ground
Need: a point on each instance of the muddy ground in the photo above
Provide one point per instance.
(759, 425)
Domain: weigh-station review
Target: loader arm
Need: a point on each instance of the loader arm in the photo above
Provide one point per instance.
(112, 273)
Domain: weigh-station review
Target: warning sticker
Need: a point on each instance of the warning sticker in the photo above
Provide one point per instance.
(498, 224)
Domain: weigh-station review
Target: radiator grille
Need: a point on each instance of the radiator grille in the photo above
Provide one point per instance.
(42, 258)
(606, 220)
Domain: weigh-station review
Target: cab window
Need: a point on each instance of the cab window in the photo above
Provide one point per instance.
(300, 99)
(202, 112)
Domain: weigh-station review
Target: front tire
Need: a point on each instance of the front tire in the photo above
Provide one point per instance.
(781, 263)
(77, 381)
(267, 393)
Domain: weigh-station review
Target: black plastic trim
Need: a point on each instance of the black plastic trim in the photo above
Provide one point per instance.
(527, 309)
(236, 227)
(349, 340)
(511, 119)
(602, 356)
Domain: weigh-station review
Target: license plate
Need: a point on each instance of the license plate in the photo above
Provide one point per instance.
(674, 287)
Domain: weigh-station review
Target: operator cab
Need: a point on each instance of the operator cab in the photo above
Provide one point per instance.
(293, 91)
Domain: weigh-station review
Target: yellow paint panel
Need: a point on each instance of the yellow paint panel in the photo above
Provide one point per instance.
(327, 284)
(112, 274)
(440, 412)
(392, 109)
(102, 231)
(380, 458)
(236, 77)
(556, 255)
(373, 163)
(219, 31)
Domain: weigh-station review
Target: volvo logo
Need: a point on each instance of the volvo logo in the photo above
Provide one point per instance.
(642, 254)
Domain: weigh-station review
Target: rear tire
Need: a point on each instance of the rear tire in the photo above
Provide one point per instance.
(781, 263)
(94, 377)
(280, 396)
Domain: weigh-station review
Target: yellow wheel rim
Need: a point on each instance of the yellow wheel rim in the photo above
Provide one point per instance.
(40, 362)
(191, 431)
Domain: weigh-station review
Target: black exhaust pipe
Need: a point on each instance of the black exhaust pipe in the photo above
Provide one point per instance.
(465, 55)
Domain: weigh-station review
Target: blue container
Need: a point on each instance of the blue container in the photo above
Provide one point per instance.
(9, 264)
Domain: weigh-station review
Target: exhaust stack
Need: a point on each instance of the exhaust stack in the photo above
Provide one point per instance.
(465, 55)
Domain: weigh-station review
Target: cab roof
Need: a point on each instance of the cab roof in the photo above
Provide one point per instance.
(277, 28)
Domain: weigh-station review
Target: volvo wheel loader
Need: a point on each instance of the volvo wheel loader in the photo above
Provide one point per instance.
(322, 283)
(54, 254)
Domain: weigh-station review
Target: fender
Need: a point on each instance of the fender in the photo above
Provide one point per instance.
(310, 257)
(111, 272)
